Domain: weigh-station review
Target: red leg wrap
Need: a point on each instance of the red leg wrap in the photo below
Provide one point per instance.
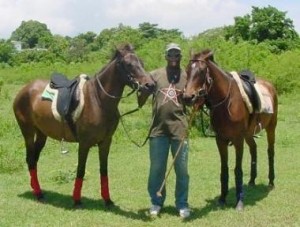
(104, 188)
(34, 182)
(77, 189)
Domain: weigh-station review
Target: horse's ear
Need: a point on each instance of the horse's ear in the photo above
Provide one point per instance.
(210, 56)
(128, 47)
(123, 49)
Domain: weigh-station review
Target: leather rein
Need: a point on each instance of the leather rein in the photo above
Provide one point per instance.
(204, 90)
(135, 85)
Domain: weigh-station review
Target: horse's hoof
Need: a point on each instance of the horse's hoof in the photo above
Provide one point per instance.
(108, 203)
(221, 203)
(239, 206)
(78, 204)
(271, 186)
(251, 183)
(40, 197)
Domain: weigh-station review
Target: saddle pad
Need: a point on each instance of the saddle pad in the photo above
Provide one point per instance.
(52, 94)
(265, 99)
(243, 93)
(263, 94)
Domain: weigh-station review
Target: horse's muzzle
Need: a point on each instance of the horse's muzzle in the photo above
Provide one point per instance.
(148, 87)
(189, 100)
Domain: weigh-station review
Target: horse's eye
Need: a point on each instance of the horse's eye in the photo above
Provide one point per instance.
(129, 66)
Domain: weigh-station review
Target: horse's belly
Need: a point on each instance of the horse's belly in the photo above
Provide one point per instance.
(48, 125)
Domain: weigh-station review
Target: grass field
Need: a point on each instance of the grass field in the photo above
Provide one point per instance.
(128, 172)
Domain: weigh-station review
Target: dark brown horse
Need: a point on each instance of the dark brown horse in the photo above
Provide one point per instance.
(230, 118)
(96, 124)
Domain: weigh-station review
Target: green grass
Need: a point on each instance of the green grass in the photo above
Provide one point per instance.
(128, 172)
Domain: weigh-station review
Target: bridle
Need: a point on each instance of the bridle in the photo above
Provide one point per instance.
(204, 90)
(130, 80)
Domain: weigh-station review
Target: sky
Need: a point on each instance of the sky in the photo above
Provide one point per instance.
(73, 17)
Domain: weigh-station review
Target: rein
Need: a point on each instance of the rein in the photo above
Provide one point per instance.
(204, 87)
(130, 79)
(159, 192)
(135, 85)
(194, 110)
(226, 97)
(112, 96)
(127, 133)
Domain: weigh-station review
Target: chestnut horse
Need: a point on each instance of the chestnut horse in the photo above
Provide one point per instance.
(95, 126)
(231, 120)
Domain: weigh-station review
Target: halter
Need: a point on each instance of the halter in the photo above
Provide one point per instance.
(206, 87)
(204, 90)
(134, 84)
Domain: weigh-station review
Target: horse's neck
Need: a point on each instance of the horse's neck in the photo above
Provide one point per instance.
(221, 82)
(109, 81)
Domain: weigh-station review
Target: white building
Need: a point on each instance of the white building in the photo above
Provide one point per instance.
(17, 45)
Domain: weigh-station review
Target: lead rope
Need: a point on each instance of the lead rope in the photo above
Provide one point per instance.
(131, 140)
(127, 133)
(158, 193)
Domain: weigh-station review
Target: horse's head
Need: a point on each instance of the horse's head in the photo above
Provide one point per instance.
(198, 79)
(132, 69)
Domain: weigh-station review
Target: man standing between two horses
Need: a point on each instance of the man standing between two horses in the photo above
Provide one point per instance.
(168, 132)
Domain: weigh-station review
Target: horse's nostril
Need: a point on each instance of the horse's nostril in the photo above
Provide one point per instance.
(188, 99)
(149, 86)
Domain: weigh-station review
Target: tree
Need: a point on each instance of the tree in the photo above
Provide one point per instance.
(266, 24)
(271, 24)
(109, 38)
(6, 51)
(151, 31)
(77, 51)
(241, 29)
(89, 39)
(32, 34)
(59, 47)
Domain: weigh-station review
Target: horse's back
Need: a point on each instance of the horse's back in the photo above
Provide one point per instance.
(29, 92)
(26, 98)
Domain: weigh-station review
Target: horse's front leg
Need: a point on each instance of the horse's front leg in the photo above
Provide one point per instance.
(253, 153)
(223, 151)
(238, 171)
(103, 160)
(82, 157)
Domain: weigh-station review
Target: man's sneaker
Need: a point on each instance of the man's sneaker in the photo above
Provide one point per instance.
(184, 212)
(154, 210)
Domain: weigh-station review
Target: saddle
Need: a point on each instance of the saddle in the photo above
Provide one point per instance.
(67, 97)
(248, 81)
(67, 100)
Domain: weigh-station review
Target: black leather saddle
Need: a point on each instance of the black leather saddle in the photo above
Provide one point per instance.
(67, 100)
(248, 81)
